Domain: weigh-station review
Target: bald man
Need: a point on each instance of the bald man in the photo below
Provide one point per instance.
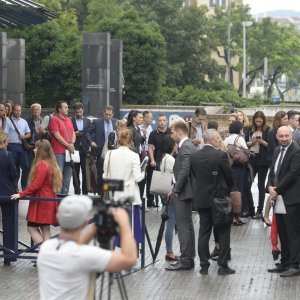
(284, 180)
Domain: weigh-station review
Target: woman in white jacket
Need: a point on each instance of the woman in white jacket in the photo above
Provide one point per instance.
(124, 164)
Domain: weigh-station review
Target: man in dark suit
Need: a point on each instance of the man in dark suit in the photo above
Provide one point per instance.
(8, 179)
(284, 180)
(82, 127)
(182, 197)
(101, 128)
(205, 164)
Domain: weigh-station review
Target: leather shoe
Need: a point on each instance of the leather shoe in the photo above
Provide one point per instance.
(203, 271)
(290, 272)
(215, 253)
(225, 271)
(178, 266)
(170, 258)
(278, 269)
(6, 262)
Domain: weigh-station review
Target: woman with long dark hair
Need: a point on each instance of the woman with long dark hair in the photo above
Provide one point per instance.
(166, 161)
(134, 120)
(258, 142)
(45, 180)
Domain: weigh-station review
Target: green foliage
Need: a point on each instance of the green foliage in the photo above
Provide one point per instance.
(53, 60)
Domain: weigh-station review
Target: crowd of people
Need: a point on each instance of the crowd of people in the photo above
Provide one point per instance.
(192, 151)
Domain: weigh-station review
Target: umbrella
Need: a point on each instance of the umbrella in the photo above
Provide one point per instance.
(274, 238)
(91, 173)
(164, 218)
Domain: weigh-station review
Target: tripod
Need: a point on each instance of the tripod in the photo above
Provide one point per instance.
(121, 285)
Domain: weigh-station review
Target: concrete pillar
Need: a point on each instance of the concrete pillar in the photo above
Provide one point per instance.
(96, 72)
(3, 71)
(16, 71)
(116, 75)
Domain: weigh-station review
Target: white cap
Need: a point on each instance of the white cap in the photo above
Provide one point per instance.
(73, 211)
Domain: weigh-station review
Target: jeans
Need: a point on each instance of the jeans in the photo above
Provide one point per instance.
(21, 159)
(66, 170)
(170, 228)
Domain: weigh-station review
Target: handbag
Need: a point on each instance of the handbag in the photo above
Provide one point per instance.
(25, 143)
(161, 182)
(69, 156)
(221, 206)
(239, 156)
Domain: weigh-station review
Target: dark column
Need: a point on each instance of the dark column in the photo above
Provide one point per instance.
(96, 72)
(16, 70)
(3, 72)
(116, 75)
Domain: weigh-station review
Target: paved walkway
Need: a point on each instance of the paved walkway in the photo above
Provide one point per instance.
(251, 257)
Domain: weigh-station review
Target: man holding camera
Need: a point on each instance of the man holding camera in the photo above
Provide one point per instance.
(65, 263)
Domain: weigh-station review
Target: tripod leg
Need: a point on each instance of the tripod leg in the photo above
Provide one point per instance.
(121, 285)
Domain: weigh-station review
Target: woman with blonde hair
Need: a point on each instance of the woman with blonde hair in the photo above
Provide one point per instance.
(124, 164)
(45, 180)
(242, 117)
(113, 136)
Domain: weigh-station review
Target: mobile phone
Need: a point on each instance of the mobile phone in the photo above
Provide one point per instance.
(258, 137)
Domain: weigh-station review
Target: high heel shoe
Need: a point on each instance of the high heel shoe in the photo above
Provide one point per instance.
(268, 223)
(170, 258)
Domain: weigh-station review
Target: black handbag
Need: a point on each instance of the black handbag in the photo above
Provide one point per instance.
(221, 206)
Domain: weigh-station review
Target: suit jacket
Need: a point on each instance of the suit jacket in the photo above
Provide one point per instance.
(138, 139)
(98, 133)
(35, 136)
(82, 142)
(8, 173)
(182, 170)
(202, 164)
(289, 175)
(124, 164)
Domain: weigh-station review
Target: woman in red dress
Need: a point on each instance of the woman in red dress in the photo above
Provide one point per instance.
(45, 179)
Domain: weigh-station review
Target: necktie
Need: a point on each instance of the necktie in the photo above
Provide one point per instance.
(279, 165)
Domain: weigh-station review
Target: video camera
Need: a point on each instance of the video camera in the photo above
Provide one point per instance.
(106, 226)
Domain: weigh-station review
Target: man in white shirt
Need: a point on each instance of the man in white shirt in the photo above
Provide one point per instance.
(66, 263)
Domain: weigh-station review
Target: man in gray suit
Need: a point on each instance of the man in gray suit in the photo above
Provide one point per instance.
(182, 198)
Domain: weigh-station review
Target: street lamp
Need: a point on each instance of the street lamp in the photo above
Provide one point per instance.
(245, 24)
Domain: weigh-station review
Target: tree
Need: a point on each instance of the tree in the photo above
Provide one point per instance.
(53, 60)
(144, 52)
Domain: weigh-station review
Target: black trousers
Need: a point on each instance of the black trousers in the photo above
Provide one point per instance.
(99, 165)
(82, 166)
(9, 217)
(288, 227)
(261, 172)
(150, 197)
(206, 225)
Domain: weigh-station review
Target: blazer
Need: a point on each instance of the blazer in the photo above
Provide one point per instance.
(138, 139)
(8, 173)
(289, 174)
(98, 133)
(182, 170)
(83, 142)
(202, 164)
(124, 164)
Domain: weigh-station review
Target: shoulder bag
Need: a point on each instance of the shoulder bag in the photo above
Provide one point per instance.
(161, 182)
(239, 155)
(221, 206)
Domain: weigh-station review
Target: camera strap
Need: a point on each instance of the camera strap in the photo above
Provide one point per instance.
(62, 241)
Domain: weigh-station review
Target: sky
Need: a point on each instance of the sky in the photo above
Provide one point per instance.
(258, 6)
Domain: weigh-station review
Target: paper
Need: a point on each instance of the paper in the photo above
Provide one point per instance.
(279, 206)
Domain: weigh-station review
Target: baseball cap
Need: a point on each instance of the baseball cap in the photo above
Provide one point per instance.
(73, 211)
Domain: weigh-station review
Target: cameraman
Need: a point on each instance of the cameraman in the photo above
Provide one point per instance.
(65, 263)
